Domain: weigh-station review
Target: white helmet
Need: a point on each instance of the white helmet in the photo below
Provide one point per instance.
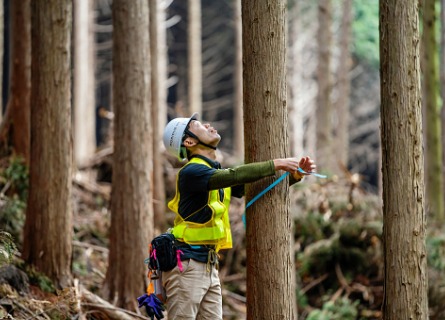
(173, 134)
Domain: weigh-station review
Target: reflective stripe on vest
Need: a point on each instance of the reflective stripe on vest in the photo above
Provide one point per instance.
(214, 232)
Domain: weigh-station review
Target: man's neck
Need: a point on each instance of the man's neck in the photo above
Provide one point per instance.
(208, 153)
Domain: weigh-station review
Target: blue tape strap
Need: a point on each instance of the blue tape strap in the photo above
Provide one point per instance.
(259, 195)
(271, 186)
(281, 178)
(313, 174)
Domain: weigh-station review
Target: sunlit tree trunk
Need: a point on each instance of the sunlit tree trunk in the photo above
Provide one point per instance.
(132, 195)
(296, 118)
(158, 52)
(238, 134)
(324, 107)
(302, 78)
(84, 82)
(442, 83)
(344, 87)
(404, 222)
(270, 268)
(48, 227)
(194, 57)
(433, 143)
(19, 100)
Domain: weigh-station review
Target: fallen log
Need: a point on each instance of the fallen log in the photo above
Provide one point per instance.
(92, 302)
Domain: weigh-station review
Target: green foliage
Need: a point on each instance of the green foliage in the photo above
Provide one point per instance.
(14, 186)
(17, 175)
(40, 280)
(354, 246)
(355, 233)
(80, 268)
(436, 252)
(319, 257)
(7, 248)
(365, 30)
(35, 277)
(302, 301)
(12, 215)
(58, 313)
(312, 228)
(341, 309)
(45, 283)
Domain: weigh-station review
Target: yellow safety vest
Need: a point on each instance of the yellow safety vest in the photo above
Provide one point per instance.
(216, 231)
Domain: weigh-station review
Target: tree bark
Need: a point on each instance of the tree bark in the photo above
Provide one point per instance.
(442, 84)
(158, 53)
(48, 226)
(2, 50)
(344, 87)
(21, 78)
(270, 286)
(132, 194)
(324, 78)
(404, 222)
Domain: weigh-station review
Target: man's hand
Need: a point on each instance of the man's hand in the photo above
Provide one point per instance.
(307, 165)
(287, 164)
(292, 164)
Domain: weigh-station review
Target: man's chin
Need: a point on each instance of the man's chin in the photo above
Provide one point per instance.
(216, 139)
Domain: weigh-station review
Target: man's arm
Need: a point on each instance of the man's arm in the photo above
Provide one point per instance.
(246, 173)
(223, 178)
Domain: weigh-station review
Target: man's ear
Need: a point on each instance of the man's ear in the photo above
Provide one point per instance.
(190, 142)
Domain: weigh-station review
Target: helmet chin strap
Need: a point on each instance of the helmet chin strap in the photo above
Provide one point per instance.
(191, 134)
(206, 145)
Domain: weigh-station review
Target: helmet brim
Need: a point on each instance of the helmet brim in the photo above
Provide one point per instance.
(195, 116)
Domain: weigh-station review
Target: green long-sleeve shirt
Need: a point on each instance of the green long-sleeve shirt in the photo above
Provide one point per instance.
(240, 175)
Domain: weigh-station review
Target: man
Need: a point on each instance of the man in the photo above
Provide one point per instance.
(202, 227)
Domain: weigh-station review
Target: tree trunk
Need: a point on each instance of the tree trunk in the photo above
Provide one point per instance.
(158, 52)
(21, 77)
(302, 82)
(131, 201)
(48, 226)
(270, 286)
(295, 122)
(344, 87)
(404, 221)
(433, 143)
(2, 50)
(442, 84)
(84, 82)
(194, 57)
(238, 134)
(324, 108)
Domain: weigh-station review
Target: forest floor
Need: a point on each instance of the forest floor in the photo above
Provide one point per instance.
(337, 242)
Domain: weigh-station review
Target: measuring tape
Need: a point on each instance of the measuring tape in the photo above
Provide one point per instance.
(273, 184)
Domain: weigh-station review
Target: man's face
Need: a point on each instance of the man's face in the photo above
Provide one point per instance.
(205, 132)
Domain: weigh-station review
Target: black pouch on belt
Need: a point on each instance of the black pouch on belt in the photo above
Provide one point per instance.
(163, 254)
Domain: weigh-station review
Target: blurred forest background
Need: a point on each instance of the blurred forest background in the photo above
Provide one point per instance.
(81, 50)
